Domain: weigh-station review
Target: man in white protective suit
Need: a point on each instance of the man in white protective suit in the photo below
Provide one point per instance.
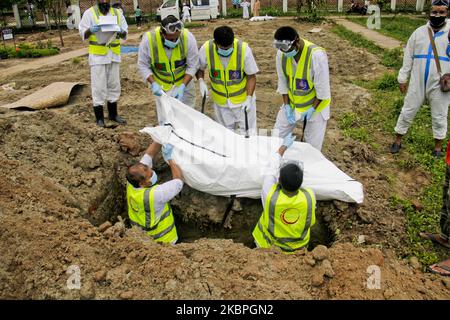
(420, 67)
(232, 72)
(168, 60)
(104, 58)
(304, 83)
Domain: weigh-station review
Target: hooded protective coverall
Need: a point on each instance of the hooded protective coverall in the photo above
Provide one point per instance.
(419, 65)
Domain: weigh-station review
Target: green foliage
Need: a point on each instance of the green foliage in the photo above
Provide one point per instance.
(234, 13)
(398, 27)
(25, 50)
(352, 126)
(392, 58)
(389, 58)
(387, 82)
(193, 25)
(275, 12)
(313, 14)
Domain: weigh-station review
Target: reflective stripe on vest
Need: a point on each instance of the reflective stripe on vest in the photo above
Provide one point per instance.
(141, 211)
(301, 87)
(167, 73)
(101, 49)
(265, 234)
(229, 83)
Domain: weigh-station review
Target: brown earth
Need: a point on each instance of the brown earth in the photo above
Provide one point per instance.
(61, 178)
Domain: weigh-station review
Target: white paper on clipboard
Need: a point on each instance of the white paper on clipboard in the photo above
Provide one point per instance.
(110, 28)
(107, 20)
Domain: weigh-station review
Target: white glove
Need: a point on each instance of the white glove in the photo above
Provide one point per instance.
(247, 104)
(203, 87)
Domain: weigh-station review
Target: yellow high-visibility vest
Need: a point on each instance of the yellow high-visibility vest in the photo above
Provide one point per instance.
(229, 83)
(286, 221)
(168, 72)
(301, 87)
(141, 211)
(101, 49)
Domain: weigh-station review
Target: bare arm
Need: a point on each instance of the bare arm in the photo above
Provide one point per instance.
(176, 171)
(187, 79)
(282, 150)
(150, 79)
(285, 99)
(251, 84)
(153, 149)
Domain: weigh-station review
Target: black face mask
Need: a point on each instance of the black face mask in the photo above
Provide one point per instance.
(104, 7)
(437, 22)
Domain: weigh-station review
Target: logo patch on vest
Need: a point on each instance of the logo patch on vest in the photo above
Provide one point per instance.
(215, 74)
(290, 216)
(134, 206)
(234, 74)
(160, 66)
(180, 63)
(302, 84)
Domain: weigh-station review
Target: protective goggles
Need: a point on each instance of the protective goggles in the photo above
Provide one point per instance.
(283, 45)
(173, 27)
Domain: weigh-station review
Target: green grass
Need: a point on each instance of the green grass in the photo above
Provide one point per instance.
(193, 25)
(396, 27)
(387, 102)
(389, 58)
(353, 126)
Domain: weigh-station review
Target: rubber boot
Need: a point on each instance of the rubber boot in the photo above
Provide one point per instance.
(112, 113)
(99, 118)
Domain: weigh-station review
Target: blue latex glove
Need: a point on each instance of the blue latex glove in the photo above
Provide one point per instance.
(288, 140)
(156, 89)
(307, 114)
(94, 29)
(179, 93)
(167, 152)
(290, 113)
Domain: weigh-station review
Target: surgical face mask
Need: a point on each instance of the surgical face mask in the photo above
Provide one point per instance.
(171, 44)
(437, 21)
(225, 52)
(291, 54)
(154, 178)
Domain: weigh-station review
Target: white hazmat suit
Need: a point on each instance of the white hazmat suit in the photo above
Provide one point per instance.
(420, 67)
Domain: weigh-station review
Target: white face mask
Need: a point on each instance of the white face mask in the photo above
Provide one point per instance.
(154, 178)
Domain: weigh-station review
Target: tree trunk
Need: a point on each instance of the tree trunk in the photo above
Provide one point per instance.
(57, 18)
(60, 34)
(299, 7)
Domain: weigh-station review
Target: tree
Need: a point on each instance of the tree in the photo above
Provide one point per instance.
(43, 6)
(56, 9)
(312, 11)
